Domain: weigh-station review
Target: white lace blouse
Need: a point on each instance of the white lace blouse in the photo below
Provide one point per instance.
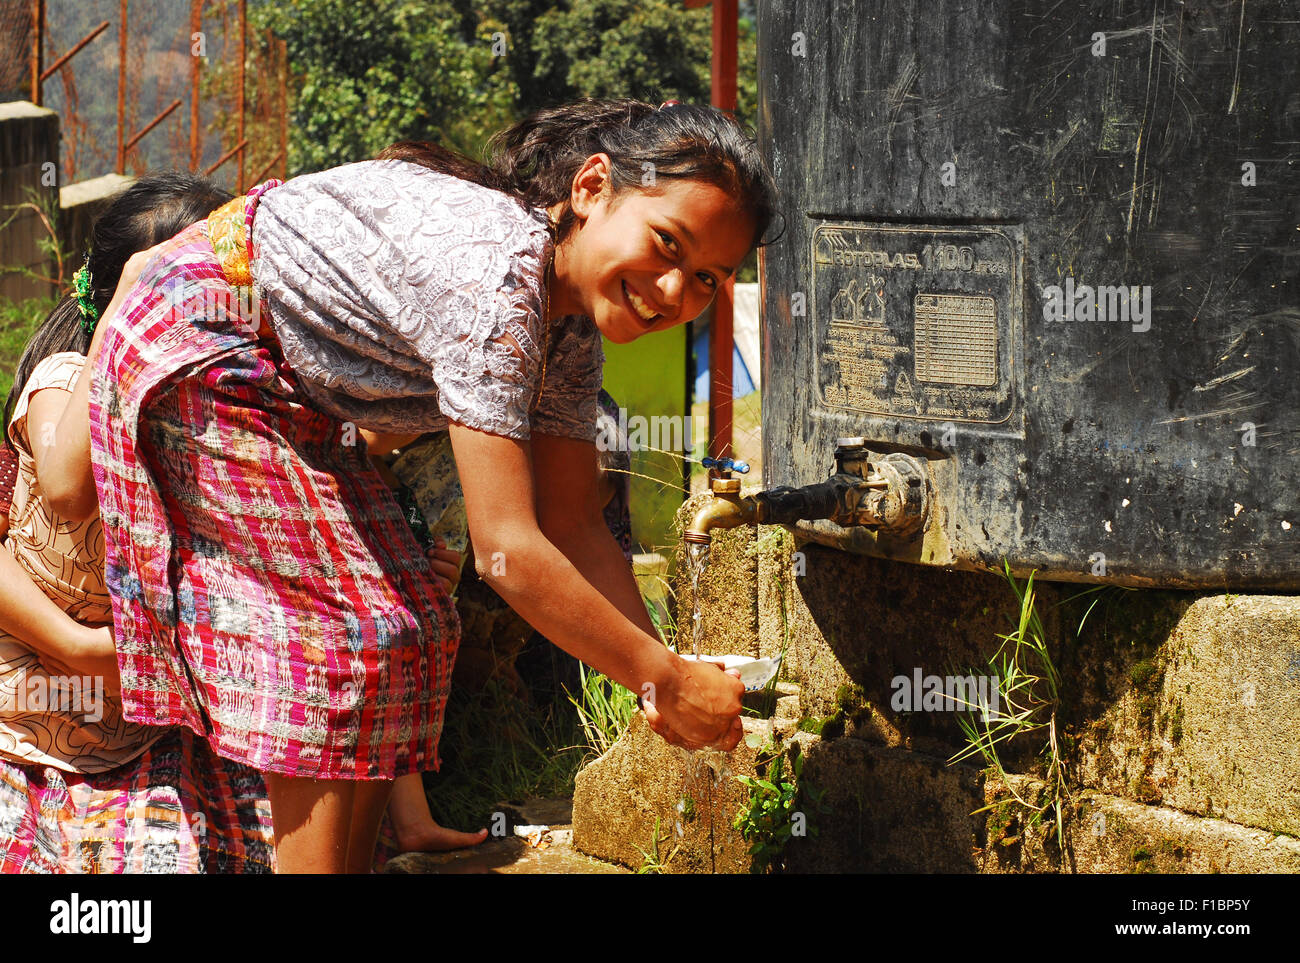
(403, 297)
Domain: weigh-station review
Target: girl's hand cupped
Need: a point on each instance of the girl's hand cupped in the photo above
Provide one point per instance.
(700, 708)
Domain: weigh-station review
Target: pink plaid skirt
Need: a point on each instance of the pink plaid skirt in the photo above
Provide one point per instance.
(177, 808)
(267, 592)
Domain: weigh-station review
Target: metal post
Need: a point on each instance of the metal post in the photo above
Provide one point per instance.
(726, 16)
(38, 48)
(196, 26)
(284, 109)
(239, 90)
(121, 90)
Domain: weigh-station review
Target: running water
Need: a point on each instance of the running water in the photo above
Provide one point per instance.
(705, 769)
(697, 557)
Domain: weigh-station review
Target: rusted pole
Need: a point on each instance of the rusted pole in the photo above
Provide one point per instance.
(38, 48)
(284, 109)
(121, 90)
(196, 27)
(726, 16)
(261, 175)
(151, 125)
(49, 71)
(239, 91)
(225, 157)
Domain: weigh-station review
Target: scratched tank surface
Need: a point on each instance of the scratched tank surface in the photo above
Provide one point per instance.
(1051, 249)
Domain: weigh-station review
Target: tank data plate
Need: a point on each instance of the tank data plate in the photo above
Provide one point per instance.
(918, 322)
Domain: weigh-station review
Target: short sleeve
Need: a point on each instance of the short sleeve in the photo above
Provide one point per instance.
(574, 371)
(59, 370)
(403, 297)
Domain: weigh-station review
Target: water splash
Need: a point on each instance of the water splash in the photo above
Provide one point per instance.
(697, 557)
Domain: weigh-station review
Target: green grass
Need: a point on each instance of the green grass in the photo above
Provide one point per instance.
(604, 709)
(18, 322)
(497, 747)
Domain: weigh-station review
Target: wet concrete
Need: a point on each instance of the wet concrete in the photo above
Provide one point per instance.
(548, 853)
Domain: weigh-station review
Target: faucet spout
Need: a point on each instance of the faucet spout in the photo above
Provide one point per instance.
(726, 509)
(883, 492)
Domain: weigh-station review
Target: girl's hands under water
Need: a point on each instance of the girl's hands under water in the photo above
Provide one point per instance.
(700, 708)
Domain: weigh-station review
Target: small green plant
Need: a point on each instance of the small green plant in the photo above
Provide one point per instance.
(45, 205)
(652, 863)
(1029, 700)
(604, 709)
(772, 816)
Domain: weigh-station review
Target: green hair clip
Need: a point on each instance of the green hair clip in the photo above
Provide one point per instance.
(89, 313)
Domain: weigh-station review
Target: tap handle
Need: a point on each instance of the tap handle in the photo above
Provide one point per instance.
(725, 464)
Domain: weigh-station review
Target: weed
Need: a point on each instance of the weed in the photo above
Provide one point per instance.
(604, 709)
(652, 862)
(18, 322)
(1029, 691)
(770, 817)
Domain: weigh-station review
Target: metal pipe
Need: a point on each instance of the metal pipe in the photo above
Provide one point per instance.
(283, 49)
(38, 48)
(151, 125)
(239, 92)
(225, 157)
(258, 177)
(49, 71)
(726, 15)
(196, 27)
(121, 90)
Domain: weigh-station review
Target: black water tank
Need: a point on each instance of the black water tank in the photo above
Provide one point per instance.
(1052, 248)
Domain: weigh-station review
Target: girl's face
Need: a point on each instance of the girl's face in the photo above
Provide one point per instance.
(649, 259)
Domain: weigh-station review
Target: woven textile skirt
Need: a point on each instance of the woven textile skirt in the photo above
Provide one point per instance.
(178, 808)
(267, 591)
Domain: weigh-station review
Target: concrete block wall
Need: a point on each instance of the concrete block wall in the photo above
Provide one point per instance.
(29, 162)
(1178, 719)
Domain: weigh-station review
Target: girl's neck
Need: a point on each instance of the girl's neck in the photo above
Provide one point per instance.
(562, 299)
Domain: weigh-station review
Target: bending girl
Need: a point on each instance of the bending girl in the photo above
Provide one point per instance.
(266, 591)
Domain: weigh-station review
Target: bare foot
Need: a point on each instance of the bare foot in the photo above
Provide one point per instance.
(432, 838)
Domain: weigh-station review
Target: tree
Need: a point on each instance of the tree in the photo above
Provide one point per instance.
(369, 74)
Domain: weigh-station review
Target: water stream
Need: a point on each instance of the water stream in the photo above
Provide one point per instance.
(697, 557)
(705, 769)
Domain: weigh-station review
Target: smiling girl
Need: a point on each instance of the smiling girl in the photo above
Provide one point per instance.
(266, 590)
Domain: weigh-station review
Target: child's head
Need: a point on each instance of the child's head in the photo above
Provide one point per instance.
(653, 207)
(155, 208)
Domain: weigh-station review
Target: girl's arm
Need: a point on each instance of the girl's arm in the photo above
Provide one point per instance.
(30, 616)
(697, 701)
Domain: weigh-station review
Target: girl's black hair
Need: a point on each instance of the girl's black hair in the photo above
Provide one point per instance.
(155, 208)
(537, 159)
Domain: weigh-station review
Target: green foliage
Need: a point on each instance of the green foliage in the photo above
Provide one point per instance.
(18, 322)
(767, 821)
(366, 75)
(497, 747)
(1028, 702)
(652, 862)
(604, 709)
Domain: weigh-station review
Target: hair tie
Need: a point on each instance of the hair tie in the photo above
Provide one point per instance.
(669, 103)
(81, 285)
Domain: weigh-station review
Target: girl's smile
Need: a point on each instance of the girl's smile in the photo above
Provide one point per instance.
(648, 259)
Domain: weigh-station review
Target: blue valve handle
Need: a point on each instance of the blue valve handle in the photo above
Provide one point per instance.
(725, 464)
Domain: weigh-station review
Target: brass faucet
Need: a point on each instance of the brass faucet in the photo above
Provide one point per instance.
(888, 492)
(726, 509)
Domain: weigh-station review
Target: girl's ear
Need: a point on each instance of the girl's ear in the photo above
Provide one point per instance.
(591, 181)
